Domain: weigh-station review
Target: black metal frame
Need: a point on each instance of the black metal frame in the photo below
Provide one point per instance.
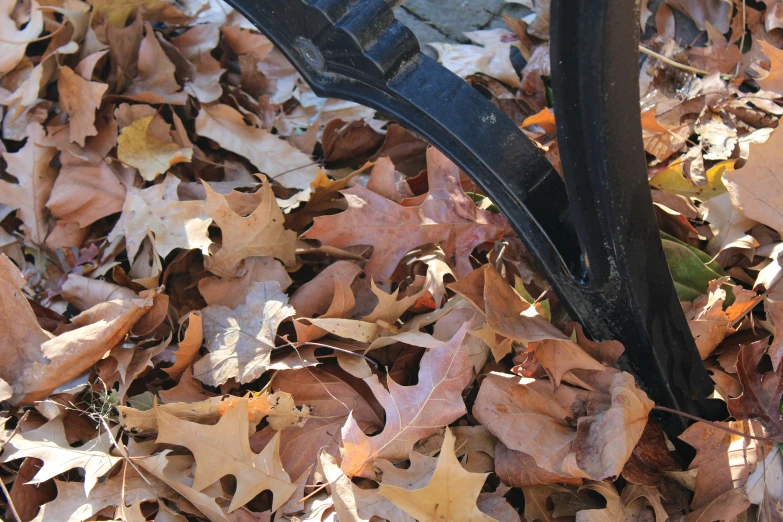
(601, 252)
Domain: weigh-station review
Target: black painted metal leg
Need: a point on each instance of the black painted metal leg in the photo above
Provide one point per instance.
(602, 252)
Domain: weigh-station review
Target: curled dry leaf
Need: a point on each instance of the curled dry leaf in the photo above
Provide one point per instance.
(412, 412)
(15, 37)
(48, 361)
(224, 449)
(604, 443)
(446, 215)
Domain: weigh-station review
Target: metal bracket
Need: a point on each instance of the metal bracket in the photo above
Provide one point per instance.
(601, 252)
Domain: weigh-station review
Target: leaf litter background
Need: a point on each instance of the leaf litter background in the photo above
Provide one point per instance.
(222, 298)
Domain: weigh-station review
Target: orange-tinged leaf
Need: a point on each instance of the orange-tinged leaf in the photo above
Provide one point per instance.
(544, 119)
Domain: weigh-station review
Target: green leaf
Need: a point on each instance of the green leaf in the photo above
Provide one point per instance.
(691, 269)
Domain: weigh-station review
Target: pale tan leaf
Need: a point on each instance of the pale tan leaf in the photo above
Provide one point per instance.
(271, 156)
(240, 341)
(48, 443)
(450, 494)
(15, 39)
(73, 505)
(170, 470)
(755, 188)
(262, 233)
(156, 211)
(354, 504)
(412, 412)
(224, 449)
(614, 510)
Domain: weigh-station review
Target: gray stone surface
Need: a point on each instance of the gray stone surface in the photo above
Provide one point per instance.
(447, 20)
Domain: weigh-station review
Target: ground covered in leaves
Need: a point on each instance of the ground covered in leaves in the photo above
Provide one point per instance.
(223, 298)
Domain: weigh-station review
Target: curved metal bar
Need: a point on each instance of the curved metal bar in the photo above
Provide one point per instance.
(356, 50)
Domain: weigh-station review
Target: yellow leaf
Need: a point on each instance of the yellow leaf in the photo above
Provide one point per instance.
(146, 145)
(673, 181)
(451, 493)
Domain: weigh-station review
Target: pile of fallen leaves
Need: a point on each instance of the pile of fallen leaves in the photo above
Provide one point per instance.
(223, 298)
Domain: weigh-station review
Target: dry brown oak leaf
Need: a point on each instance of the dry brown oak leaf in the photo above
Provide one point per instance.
(158, 213)
(450, 495)
(80, 98)
(224, 449)
(761, 392)
(30, 166)
(49, 444)
(73, 505)
(412, 412)
(240, 341)
(36, 362)
(445, 216)
(260, 234)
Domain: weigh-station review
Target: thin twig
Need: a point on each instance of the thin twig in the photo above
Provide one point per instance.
(713, 424)
(679, 65)
(2, 484)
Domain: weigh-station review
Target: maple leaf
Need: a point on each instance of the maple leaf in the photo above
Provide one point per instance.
(224, 449)
(147, 145)
(724, 460)
(48, 443)
(753, 187)
(774, 80)
(262, 233)
(240, 341)
(157, 212)
(761, 392)
(15, 40)
(271, 156)
(446, 216)
(83, 193)
(30, 166)
(412, 412)
(80, 98)
(450, 494)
